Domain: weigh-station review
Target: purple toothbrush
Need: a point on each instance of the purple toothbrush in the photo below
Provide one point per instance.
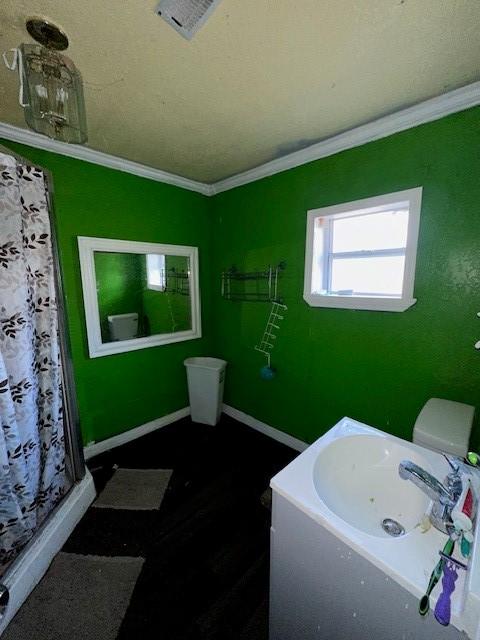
(450, 575)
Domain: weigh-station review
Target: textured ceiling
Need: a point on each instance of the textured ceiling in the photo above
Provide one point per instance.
(262, 77)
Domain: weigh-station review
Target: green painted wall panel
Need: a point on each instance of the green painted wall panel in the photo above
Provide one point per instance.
(377, 367)
(122, 391)
(374, 366)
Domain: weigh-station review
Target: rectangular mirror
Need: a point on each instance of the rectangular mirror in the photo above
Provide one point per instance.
(138, 294)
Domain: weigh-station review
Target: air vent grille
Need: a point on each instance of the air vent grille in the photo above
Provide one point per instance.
(186, 16)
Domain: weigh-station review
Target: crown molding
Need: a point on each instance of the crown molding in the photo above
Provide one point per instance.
(33, 139)
(421, 113)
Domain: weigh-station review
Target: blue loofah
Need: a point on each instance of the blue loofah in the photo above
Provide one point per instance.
(267, 373)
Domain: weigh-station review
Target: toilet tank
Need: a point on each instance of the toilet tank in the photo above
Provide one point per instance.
(123, 326)
(444, 426)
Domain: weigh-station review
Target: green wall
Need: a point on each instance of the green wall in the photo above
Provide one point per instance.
(125, 390)
(373, 366)
(377, 367)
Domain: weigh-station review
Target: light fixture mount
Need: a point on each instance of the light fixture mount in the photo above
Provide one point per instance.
(47, 34)
(51, 87)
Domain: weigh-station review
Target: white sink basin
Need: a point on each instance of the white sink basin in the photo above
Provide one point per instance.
(347, 481)
(357, 478)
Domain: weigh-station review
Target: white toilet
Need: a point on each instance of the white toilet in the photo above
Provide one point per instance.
(444, 426)
(123, 326)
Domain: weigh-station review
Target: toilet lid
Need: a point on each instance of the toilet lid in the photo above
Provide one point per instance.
(444, 425)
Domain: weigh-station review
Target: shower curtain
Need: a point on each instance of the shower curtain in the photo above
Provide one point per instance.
(32, 447)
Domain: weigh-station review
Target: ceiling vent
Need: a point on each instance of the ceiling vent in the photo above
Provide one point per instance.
(186, 16)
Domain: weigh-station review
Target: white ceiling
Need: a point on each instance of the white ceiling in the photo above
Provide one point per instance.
(261, 79)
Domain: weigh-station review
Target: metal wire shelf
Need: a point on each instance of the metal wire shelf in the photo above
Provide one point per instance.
(177, 282)
(237, 285)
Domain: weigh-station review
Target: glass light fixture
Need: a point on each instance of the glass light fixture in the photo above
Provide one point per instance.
(51, 89)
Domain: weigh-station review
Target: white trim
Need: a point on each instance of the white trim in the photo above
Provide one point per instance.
(363, 303)
(399, 199)
(421, 113)
(38, 141)
(87, 247)
(95, 449)
(262, 427)
(29, 568)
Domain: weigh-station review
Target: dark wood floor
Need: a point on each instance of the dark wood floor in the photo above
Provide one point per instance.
(206, 549)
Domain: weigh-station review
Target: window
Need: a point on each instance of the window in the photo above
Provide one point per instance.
(361, 255)
(156, 278)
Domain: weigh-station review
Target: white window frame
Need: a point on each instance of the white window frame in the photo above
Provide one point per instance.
(160, 259)
(411, 199)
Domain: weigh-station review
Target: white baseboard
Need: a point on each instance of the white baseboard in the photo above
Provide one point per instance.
(116, 441)
(266, 429)
(92, 450)
(30, 567)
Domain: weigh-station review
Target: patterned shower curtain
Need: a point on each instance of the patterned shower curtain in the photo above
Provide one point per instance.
(32, 448)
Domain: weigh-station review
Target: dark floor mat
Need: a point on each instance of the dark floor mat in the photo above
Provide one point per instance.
(80, 598)
(135, 489)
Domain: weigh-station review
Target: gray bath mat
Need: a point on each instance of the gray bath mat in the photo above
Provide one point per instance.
(137, 489)
(79, 597)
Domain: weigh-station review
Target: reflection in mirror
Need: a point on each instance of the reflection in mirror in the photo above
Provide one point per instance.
(138, 294)
(141, 295)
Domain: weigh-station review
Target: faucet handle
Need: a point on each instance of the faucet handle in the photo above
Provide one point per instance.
(453, 481)
(455, 467)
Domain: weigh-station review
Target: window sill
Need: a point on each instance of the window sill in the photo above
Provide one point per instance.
(360, 303)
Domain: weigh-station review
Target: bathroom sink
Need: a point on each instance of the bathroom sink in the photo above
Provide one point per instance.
(347, 483)
(329, 547)
(356, 477)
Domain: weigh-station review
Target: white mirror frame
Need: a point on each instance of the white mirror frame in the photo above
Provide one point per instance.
(87, 247)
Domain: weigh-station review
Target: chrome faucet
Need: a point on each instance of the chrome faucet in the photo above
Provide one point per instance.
(444, 496)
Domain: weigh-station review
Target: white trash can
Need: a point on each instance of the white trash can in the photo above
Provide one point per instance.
(205, 388)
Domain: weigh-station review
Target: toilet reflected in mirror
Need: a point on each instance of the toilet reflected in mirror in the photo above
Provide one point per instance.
(138, 294)
(123, 326)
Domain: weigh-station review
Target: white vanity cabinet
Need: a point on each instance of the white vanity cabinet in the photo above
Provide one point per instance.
(336, 572)
(321, 589)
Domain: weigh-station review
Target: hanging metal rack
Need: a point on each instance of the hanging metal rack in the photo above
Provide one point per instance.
(268, 338)
(252, 286)
(177, 282)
